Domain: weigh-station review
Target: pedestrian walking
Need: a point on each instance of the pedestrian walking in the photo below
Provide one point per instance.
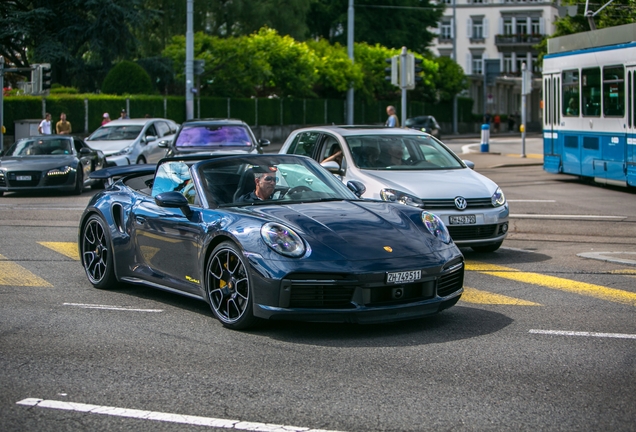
(106, 119)
(497, 123)
(392, 121)
(63, 127)
(44, 128)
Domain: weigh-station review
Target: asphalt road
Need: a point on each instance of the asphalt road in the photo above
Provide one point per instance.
(543, 339)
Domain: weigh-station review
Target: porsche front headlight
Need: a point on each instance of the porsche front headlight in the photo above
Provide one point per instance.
(498, 198)
(436, 227)
(283, 240)
(400, 197)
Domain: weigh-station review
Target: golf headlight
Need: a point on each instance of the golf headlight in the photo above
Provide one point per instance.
(498, 198)
(59, 171)
(400, 197)
(436, 227)
(123, 151)
(283, 240)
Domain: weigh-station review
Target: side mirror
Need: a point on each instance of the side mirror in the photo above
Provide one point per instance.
(470, 164)
(263, 142)
(150, 138)
(174, 200)
(85, 151)
(164, 144)
(358, 188)
(332, 167)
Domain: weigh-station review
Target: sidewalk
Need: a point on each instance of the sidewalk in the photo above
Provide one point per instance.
(498, 160)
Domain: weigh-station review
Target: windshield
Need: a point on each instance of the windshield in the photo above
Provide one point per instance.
(38, 147)
(115, 133)
(401, 152)
(214, 136)
(269, 179)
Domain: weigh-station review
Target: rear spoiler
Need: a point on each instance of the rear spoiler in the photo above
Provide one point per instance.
(113, 173)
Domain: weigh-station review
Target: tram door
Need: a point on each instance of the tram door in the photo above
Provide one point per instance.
(551, 148)
(630, 148)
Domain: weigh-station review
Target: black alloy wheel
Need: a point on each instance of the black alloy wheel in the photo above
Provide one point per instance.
(96, 253)
(228, 287)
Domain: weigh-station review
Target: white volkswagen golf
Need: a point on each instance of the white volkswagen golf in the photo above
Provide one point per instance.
(412, 168)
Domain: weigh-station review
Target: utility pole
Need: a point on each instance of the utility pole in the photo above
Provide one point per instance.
(526, 87)
(403, 82)
(189, 59)
(350, 54)
(454, 35)
(1, 103)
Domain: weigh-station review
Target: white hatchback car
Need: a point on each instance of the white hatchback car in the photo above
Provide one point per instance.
(133, 141)
(413, 168)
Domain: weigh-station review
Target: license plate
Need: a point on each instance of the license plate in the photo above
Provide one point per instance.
(403, 277)
(463, 219)
(23, 178)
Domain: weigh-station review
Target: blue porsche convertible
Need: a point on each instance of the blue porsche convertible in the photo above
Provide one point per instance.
(268, 237)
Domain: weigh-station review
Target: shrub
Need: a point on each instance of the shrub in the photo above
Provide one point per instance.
(127, 78)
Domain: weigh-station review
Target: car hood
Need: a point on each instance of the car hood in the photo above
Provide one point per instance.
(377, 225)
(109, 147)
(35, 163)
(433, 184)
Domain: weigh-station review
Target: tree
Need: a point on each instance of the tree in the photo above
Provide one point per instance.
(127, 78)
(391, 23)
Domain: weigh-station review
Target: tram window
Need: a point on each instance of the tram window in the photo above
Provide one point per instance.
(570, 89)
(591, 91)
(614, 91)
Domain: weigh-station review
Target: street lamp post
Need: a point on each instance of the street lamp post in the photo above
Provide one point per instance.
(350, 54)
(189, 96)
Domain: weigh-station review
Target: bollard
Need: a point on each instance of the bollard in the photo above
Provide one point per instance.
(485, 137)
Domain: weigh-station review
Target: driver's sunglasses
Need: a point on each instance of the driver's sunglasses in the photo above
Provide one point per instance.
(269, 178)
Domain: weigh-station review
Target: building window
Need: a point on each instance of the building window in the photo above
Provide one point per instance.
(446, 31)
(477, 64)
(478, 28)
(507, 26)
(536, 26)
(507, 63)
(522, 26)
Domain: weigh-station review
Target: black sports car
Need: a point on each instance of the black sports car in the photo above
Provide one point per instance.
(60, 162)
(311, 250)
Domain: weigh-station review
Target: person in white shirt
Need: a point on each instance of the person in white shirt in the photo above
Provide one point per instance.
(45, 125)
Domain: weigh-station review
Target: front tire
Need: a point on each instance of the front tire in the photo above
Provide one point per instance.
(487, 248)
(228, 287)
(79, 181)
(97, 254)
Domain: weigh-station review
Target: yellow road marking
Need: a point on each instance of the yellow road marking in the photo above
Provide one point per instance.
(624, 271)
(16, 275)
(68, 249)
(472, 295)
(582, 288)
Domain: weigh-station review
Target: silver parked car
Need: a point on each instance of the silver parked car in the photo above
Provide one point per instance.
(133, 141)
(412, 168)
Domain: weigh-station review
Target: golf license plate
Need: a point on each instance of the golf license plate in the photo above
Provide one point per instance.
(23, 178)
(404, 277)
(462, 220)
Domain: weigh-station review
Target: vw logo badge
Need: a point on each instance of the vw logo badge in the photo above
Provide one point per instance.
(460, 203)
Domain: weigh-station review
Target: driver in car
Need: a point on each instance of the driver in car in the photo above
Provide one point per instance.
(265, 184)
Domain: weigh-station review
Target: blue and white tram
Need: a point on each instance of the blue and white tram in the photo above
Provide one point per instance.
(589, 110)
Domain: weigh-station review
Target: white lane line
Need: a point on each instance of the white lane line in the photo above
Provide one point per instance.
(165, 417)
(543, 216)
(107, 307)
(532, 201)
(606, 256)
(588, 334)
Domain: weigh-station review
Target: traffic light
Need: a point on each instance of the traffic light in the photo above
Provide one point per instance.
(45, 77)
(198, 67)
(392, 71)
(417, 69)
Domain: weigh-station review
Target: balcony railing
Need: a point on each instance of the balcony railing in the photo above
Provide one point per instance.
(518, 39)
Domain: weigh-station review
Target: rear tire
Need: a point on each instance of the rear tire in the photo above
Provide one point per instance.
(487, 248)
(96, 253)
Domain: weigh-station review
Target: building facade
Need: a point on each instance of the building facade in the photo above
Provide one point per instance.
(476, 31)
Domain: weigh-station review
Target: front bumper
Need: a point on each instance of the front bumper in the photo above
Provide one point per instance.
(118, 160)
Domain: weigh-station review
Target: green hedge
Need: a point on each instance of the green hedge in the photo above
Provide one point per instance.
(261, 112)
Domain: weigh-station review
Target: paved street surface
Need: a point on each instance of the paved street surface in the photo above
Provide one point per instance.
(544, 337)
